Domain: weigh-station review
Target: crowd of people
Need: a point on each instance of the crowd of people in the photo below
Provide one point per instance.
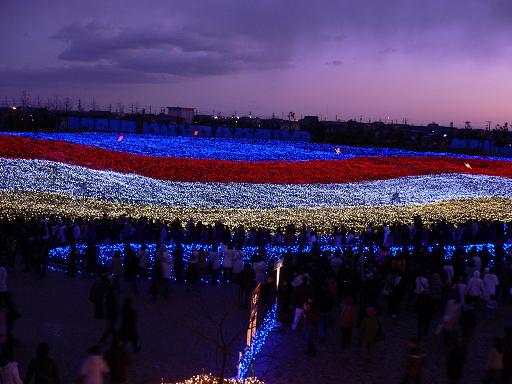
(325, 294)
(34, 236)
(353, 291)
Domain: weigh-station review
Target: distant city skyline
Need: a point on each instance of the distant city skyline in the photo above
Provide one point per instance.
(423, 61)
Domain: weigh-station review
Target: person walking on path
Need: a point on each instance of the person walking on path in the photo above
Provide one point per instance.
(42, 368)
(414, 363)
(311, 320)
(119, 361)
(112, 312)
(369, 331)
(507, 355)
(455, 360)
(128, 331)
(424, 311)
(97, 295)
(494, 368)
(348, 319)
(93, 368)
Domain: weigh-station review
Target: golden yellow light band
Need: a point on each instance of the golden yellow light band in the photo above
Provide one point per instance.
(30, 204)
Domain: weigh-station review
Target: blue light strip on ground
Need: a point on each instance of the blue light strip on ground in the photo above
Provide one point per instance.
(60, 255)
(269, 323)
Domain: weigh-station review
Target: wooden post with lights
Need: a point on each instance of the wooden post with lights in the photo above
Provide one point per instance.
(253, 321)
(255, 299)
(277, 267)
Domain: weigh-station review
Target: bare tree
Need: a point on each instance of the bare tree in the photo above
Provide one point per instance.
(120, 107)
(56, 102)
(93, 104)
(221, 335)
(25, 99)
(68, 104)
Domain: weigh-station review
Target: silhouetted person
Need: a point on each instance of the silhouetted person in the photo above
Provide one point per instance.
(414, 363)
(455, 360)
(72, 260)
(97, 295)
(424, 310)
(42, 368)
(494, 366)
(128, 331)
(119, 361)
(112, 312)
(507, 355)
(9, 308)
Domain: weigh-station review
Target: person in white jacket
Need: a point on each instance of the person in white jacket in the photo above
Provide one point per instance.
(94, 367)
(10, 373)
(259, 266)
(490, 281)
(475, 287)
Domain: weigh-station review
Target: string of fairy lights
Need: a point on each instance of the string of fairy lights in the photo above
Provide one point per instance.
(269, 323)
(76, 181)
(59, 255)
(36, 205)
(210, 379)
(228, 149)
(41, 188)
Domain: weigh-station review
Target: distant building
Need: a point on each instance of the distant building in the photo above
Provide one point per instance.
(180, 114)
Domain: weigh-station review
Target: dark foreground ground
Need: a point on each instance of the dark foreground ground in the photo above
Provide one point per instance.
(177, 337)
(284, 359)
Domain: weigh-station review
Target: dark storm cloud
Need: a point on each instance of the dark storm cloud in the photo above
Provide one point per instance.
(172, 39)
(164, 50)
(94, 41)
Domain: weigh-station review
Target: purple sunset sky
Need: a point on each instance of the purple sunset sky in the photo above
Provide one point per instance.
(428, 60)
